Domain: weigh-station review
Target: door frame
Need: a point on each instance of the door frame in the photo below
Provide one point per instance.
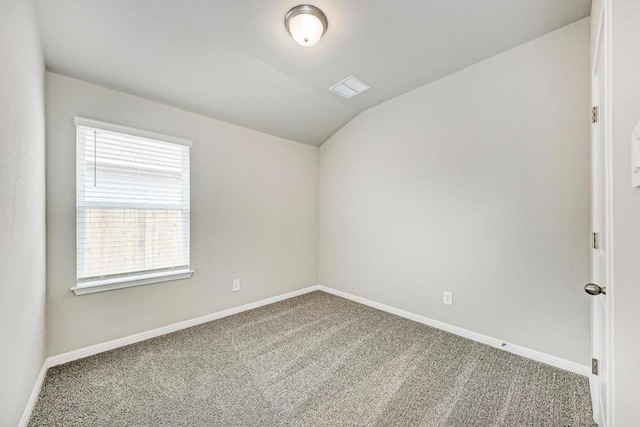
(603, 47)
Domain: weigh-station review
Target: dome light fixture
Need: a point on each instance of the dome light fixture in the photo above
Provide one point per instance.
(306, 24)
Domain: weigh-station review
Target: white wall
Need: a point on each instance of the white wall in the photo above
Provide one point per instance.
(254, 209)
(479, 184)
(626, 211)
(22, 208)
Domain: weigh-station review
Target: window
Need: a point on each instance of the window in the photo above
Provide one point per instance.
(132, 207)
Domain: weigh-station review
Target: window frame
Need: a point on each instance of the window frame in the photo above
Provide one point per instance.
(126, 280)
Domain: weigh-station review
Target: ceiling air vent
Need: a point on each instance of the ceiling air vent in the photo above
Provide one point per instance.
(349, 87)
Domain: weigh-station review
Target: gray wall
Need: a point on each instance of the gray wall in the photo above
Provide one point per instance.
(478, 184)
(22, 200)
(254, 210)
(626, 211)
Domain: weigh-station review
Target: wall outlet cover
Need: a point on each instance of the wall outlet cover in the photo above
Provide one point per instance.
(236, 285)
(447, 298)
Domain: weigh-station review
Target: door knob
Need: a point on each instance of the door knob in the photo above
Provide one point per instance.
(593, 289)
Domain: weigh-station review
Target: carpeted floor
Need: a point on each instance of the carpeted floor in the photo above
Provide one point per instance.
(314, 360)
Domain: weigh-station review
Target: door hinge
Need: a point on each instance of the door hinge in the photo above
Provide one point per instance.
(594, 115)
(594, 366)
(595, 241)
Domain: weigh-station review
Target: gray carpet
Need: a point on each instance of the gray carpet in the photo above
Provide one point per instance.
(314, 360)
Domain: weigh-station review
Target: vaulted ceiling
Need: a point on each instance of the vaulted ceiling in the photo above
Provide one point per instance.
(233, 59)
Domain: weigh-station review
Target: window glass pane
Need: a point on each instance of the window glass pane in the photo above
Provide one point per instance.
(120, 241)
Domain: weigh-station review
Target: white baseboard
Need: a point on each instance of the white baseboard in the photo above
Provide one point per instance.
(26, 415)
(142, 336)
(484, 339)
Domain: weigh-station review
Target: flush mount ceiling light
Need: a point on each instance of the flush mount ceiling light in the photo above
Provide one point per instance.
(306, 24)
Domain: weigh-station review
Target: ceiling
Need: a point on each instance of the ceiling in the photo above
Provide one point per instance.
(233, 59)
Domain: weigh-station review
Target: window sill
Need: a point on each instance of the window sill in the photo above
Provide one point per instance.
(102, 285)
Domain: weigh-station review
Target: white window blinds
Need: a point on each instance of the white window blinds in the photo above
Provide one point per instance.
(132, 198)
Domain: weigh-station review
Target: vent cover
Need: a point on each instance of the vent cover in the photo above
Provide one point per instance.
(349, 87)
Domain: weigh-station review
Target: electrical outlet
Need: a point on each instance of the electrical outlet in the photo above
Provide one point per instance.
(447, 297)
(236, 285)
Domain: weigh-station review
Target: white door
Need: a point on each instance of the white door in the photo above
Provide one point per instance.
(601, 286)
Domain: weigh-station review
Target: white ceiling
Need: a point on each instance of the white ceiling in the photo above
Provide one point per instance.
(233, 59)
